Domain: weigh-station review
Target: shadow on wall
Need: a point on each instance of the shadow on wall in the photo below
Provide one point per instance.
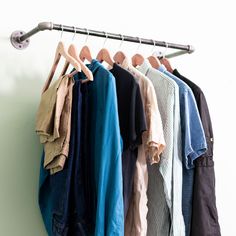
(20, 156)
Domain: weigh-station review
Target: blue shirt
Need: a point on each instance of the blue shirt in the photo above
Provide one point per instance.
(193, 143)
(63, 191)
(193, 136)
(105, 150)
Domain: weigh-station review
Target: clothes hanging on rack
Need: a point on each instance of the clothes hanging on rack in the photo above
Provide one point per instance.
(53, 123)
(193, 143)
(136, 140)
(61, 195)
(152, 146)
(204, 200)
(165, 179)
(104, 154)
(132, 122)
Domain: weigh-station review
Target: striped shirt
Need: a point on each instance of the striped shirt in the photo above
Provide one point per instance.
(165, 179)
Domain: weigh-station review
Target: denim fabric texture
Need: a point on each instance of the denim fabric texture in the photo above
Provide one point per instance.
(205, 215)
(104, 150)
(61, 196)
(193, 143)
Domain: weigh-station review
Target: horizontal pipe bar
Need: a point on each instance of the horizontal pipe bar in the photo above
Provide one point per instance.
(50, 26)
(102, 34)
(175, 54)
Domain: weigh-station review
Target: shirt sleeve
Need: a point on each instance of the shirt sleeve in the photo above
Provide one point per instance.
(155, 138)
(194, 136)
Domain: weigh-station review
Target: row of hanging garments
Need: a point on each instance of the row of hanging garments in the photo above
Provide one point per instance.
(128, 149)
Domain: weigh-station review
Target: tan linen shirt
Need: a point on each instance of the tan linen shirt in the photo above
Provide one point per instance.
(153, 144)
(53, 122)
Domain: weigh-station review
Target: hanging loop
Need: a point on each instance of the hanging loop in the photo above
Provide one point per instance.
(74, 33)
(154, 46)
(122, 40)
(61, 31)
(140, 42)
(105, 33)
(164, 53)
(86, 40)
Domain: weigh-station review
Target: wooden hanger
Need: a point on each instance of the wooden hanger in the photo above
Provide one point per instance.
(104, 55)
(154, 61)
(119, 57)
(61, 51)
(85, 54)
(167, 64)
(137, 59)
(74, 53)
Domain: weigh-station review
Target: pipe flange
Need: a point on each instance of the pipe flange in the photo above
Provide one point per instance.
(15, 36)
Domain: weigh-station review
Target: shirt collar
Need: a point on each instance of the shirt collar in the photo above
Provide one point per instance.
(176, 73)
(126, 63)
(144, 67)
(162, 68)
(93, 65)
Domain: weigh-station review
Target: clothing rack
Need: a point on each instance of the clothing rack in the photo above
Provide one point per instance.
(20, 39)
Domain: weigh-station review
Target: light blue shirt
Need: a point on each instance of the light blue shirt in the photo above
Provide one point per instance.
(193, 137)
(165, 192)
(193, 143)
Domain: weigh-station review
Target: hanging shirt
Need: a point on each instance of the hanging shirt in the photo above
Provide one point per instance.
(104, 153)
(153, 144)
(204, 211)
(193, 143)
(165, 180)
(132, 122)
(53, 122)
(62, 198)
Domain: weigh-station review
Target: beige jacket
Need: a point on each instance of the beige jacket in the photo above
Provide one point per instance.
(53, 121)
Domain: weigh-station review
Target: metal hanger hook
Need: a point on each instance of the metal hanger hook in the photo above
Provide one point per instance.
(122, 40)
(154, 46)
(86, 40)
(140, 42)
(105, 33)
(61, 31)
(74, 33)
(164, 54)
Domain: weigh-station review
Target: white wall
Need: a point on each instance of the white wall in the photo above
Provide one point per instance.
(208, 25)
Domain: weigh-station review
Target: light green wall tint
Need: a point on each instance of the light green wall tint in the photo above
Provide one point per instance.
(20, 150)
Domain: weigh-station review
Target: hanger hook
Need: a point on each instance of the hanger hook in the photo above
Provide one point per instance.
(122, 40)
(61, 31)
(140, 42)
(86, 40)
(154, 46)
(164, 54)
(74, 33)
(105, 33)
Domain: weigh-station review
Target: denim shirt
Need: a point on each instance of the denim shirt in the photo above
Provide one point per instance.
(105, 150)
(193, 143)
(100, 197)
(193, 136)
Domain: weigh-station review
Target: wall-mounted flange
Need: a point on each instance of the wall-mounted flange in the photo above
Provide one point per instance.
(15, 36)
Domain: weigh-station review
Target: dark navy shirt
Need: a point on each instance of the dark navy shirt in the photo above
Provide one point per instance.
(204, 210)
(132, 124)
